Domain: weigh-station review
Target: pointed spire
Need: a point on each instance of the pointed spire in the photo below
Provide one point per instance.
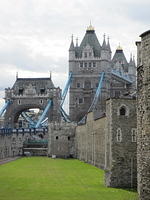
(72, 44)
(90, 28)
(104, 36)
(108, 44)
(104, 46)
(130, 58)
(119, 47)
(76, 42)
(133, 60)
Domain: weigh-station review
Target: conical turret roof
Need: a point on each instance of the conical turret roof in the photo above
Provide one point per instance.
(104, 46)
(90, 39)
(71, 48)
(120, 57)
(108, 45)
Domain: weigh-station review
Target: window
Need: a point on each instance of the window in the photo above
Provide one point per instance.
(122, 111)
(19, 102)
(94, 64)
(80, 100)
(78, 85)
(90, 64)
(85, 64)
(81, 64)
(85, 54)
(90, 54)
(119, 135)
(41, 101)
(20, 91)
(68, 137)
(56, 137)
(42, 90)
(133, 134)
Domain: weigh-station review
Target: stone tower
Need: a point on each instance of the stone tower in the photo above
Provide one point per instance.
(86, 62)
(120, 143)
(30, 93)
(143, 142)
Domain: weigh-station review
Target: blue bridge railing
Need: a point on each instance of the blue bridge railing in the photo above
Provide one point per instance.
(9, 131)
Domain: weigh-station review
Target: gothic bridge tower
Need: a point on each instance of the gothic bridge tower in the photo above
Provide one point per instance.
(30, 93)
(87, 62)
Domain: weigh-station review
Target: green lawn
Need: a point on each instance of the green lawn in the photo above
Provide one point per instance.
(42, 178)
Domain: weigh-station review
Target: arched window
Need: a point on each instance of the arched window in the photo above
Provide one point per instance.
(19, 102)
(41, 101)
(122, 111)
(119, 135)
(133, 134)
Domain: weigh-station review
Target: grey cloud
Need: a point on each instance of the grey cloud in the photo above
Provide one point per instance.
(20, 56)
(6, 81)
(140, 12)
(23, 21)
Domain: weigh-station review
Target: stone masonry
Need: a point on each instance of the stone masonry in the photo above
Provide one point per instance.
(12, 140)
(107, 139)
(120, 143)
(90, 141)
(87, 61)
(61, 139)
(30, 93)
(143, 142)
(110, 142)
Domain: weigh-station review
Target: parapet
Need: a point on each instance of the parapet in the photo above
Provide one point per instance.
(145, 33)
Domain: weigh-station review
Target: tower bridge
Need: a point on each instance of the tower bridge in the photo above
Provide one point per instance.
(93, 77)
(31, 93)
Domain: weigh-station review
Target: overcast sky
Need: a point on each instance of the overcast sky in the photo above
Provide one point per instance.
(35, 34)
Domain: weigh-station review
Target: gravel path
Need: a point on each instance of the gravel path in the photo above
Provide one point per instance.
(6, 160)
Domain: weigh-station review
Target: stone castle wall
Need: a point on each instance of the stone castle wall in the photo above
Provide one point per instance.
(110, 143)
(120, 143)
(61, 139)
(143, 140)
(11, 141)
(89, 141)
